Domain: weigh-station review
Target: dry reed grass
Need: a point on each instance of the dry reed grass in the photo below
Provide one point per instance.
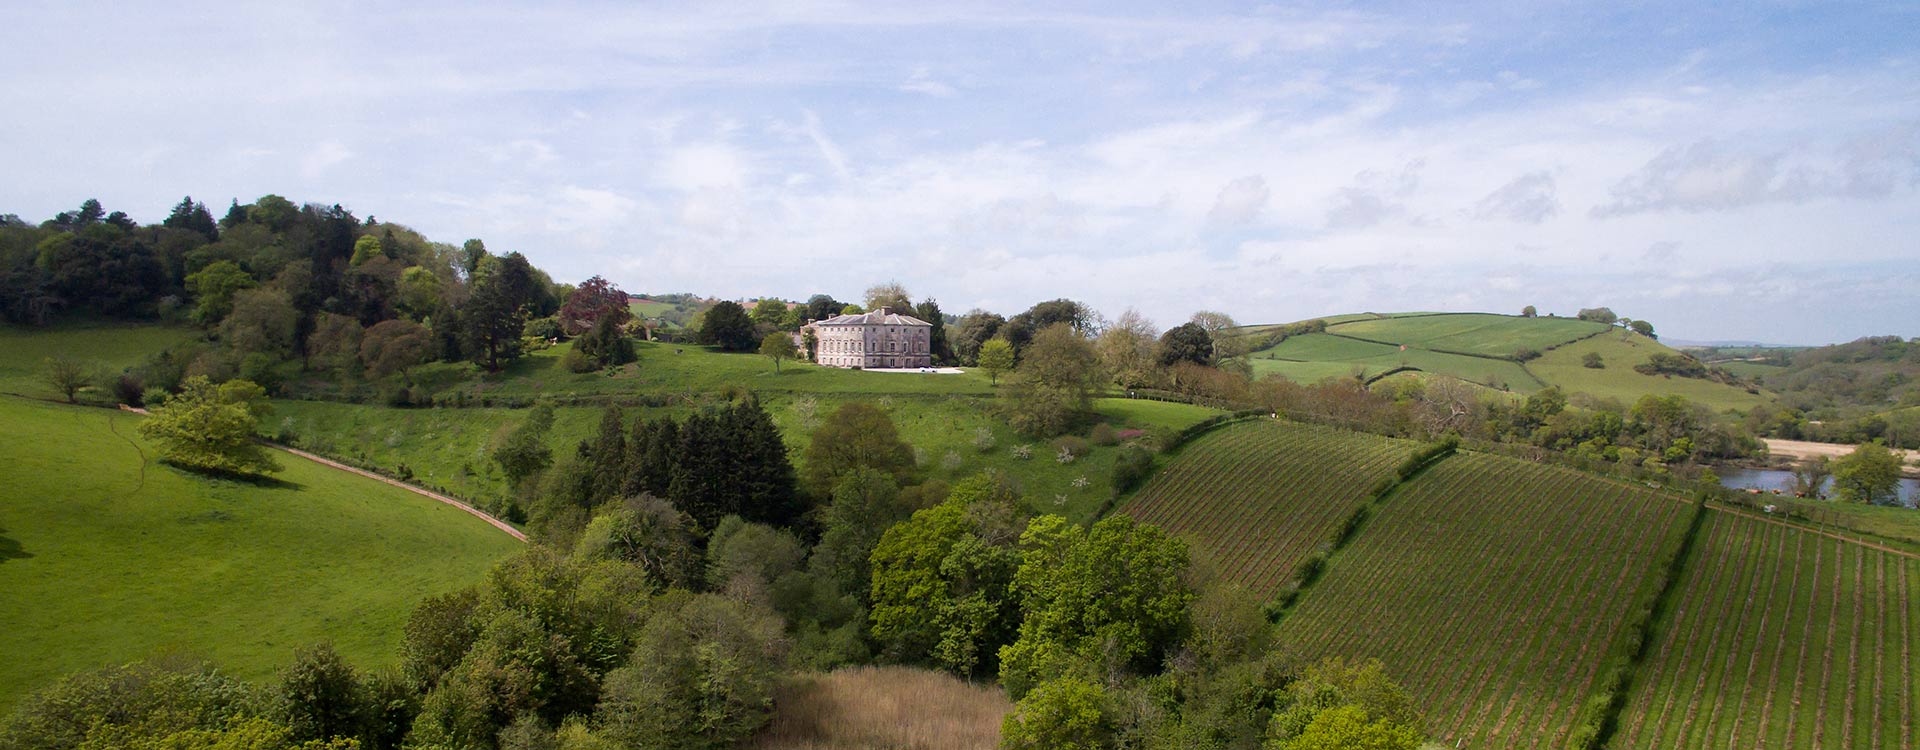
(895, 708)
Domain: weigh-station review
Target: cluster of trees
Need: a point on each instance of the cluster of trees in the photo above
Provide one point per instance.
(1855, 392)
(287, 291)
(724, 460)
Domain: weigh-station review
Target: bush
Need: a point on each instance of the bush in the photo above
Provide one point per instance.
(152, 397)
(1130, 468)
(1070, 445)
(1104, 434)
(1526, 355)
(577, 361)
(129, 389)
(548, 328)
(1593, 361)
(1426, 455)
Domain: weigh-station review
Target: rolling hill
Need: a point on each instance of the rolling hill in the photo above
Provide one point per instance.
(108, 556)
(1503, 352)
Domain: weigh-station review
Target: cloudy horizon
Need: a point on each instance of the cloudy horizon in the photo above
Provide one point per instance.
(1726, 173)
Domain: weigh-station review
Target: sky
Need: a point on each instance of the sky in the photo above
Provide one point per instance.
(1723, 170)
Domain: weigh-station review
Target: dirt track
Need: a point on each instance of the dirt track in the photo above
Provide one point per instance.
(497, 523)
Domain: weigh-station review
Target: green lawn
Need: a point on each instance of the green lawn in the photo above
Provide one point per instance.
(107, 556)
(681, 368)
(1485, 334)
(110, 346)
(1563, 367)
(1145, 414)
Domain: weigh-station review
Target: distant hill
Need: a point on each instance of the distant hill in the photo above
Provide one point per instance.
(1502, 352)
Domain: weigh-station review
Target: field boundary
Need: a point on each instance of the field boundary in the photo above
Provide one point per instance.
(1311, 570)
(421, 491)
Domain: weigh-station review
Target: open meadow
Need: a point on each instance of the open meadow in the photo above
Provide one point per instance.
(108, 346)
(108, 556)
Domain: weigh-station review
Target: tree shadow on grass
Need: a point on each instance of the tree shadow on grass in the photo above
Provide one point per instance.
(10, 548)
(229, 477)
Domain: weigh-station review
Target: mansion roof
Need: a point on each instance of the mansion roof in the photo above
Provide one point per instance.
(880, 317)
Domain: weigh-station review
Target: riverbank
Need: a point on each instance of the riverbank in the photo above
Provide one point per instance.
(1786, 452)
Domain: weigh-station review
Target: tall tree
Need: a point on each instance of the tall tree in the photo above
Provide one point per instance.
(1127, 349)
(193, 217)
(1054, 384)
(727, 326)
(971, 332)
(856, 435)
(929, 310)
(1870, 474)
(1187, 342)
(595, 299)
(890, 294)
(777, 346)
(996, 357)
(495, 311)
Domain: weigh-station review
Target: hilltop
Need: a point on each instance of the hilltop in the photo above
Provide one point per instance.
(1511, 353)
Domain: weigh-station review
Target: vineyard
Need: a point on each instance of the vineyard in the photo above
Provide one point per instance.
(1782, 638)
(1493, 590)
(1255, 499)
(1482, 334)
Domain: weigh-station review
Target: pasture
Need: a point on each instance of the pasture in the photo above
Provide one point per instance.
(107, 346)
(108, 556)
(1493, 590)
(1484, 334)
(1317, 356)
(1780, 637)
(1564, 367)
(1255, 499)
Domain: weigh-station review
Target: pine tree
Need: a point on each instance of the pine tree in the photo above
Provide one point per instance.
(609, 458)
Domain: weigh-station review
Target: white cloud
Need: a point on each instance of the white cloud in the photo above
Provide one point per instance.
(322, 157)
(1529, 199)
(1240, 201)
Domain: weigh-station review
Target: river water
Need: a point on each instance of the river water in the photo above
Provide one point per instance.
(1775, 479)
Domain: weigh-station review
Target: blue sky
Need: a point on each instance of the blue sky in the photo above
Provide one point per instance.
(1733, 171)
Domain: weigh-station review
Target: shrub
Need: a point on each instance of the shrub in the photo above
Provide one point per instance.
(129, 389)
(548, 328)
(1103, 434)
(1130, 468)
(1426, 455)
(1593, 361)
(577, 361)
(983, 439)
(1526, 355)
(1071, 445)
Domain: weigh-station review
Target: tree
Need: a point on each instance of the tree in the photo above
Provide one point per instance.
(866, 502)
(1127, 349)
(1593, 361)
(821, 307)
(1529, 312)
(211, 428)
(66, 374)
(263, 321)
(1810, 478)
(193, 217)
(365, 249)
(594, 300)
(727, 326)
(523, 452)
(1598, 315)
(394, 346)
(420, 292)
(1219, 327)
(1113, 597)
(996, 356)
(856, 435)
(1055, 382)
(1643, 328)
(1335, 705)
(701, 676)
(1020, 329)
(941, 580)
(890, 294)
(1068, 713)
(334, 343)
(1870, 475)
(769, 312)
(972, 331)
(1187, 342)
(495, 312)
(213, 288)
(645, 531)
(929, 310)
(320, 695)
(777, 346)
(606, 344)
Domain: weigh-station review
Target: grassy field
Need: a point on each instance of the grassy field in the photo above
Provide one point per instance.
(884, 707)
(447, 447)
(1256, 498)
(686, 368)
(111, 346)
(1782, 638)
(1493, 590)
(107, 556)
(1472, 333)
(1564, 367)
(649, 308)
(1317, 356)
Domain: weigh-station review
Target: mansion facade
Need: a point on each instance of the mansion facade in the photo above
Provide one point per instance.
(879, 339)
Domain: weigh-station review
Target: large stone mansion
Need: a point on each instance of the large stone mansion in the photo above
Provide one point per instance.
(879, 339)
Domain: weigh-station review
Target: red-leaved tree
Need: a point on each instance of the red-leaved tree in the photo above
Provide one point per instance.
(594, 299)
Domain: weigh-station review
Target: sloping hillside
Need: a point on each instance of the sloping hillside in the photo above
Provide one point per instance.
(1256, 499)
(1503, 352)
(1493, 590)
(1780, 637)
(108, 556)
